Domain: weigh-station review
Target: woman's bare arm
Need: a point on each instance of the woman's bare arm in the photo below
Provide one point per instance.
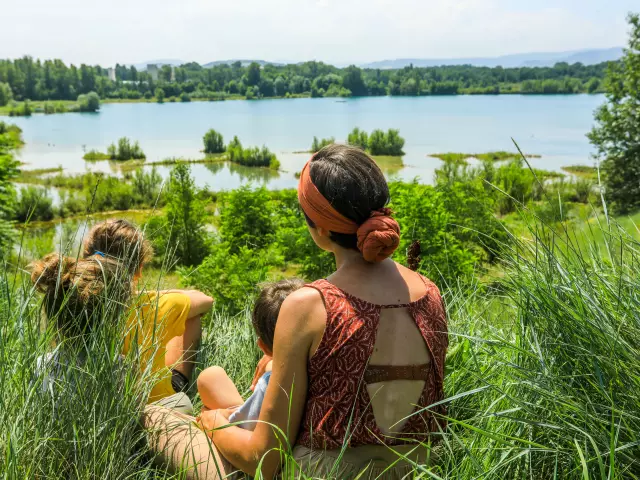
(285, 399)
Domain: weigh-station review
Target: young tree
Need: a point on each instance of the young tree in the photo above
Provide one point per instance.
(213, 142)
(253, 74)
(186, 217)
(617, 133)
(6, 95)
(89, 102)
(159, 95)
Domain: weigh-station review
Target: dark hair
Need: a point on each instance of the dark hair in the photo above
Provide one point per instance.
(267, 307)
(79, 294)
(120, 240)
(352, 183)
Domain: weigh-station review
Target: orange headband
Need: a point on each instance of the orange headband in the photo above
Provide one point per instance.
(378, 236)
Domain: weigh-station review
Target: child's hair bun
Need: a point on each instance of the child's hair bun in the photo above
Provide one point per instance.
(53, 271)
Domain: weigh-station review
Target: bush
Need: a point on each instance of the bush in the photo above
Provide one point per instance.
(390, 143)
(184, 97)
(181, 234)
(89, 102)
(125, 150)
(23, 109)
(245, 220)
(358, 138)
(422, 214)
(34, 204)
(6, 95)
(318, 145)
(213, 142)
(230, 277)
(252, 157)
(159, 95)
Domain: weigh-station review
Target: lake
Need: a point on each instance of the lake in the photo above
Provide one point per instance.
(553, 126)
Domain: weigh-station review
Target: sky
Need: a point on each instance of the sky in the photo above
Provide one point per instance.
(334, 31)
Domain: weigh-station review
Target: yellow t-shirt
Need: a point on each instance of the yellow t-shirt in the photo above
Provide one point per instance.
(156, 319)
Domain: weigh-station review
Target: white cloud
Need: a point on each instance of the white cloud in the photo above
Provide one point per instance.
(293, 30)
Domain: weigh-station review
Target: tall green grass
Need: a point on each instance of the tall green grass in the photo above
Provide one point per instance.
(543, 373)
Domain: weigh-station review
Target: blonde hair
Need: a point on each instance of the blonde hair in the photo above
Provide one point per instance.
(120, 240)
(81, 294)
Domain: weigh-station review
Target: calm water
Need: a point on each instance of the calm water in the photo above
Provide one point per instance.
(551, 126)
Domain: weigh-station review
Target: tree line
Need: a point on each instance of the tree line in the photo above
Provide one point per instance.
(34, 79)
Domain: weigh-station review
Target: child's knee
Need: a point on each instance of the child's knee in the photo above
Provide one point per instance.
(211, 376)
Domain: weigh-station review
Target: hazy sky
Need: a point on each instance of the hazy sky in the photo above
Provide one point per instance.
(335, 31)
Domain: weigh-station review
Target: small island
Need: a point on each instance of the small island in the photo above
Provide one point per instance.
(497, 156)
(124, 151)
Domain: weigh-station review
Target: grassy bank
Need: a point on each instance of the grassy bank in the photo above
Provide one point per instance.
(541, 374)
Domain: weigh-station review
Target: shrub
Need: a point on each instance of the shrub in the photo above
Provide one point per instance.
(89, 102)
(245, 220)
(358, 138)
(159, 95)
(318, 145)
(184, 97)
(6, 95)
(34, 204)
(390, 143)
(252, 157)
(422, 214)
(125, 150)
(180, 235)
(213, 142)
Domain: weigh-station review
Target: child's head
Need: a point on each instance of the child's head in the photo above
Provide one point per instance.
(119, 240)
(267, 309)
(80, 294)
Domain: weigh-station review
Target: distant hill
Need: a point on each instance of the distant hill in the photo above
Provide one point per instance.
(541, 59)
(244, 63)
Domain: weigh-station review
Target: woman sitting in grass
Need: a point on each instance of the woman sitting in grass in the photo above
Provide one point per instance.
(164, 326)
(358, 357)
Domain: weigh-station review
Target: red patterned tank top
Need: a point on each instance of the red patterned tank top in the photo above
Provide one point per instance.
(338, 406)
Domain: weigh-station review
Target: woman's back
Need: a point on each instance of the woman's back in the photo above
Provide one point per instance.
(381, 353)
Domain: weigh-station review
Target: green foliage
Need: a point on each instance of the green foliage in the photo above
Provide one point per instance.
(89, 102)
(358, 138)
(125, 150)
(159, 94)
(184, 97)
(34, 204)
(617, 133)
(95, 155)
(422, 214)
(213, 142)
(23, 109)
(10, 139)
(6, 95)
(53, 80)
(318, 145)
(389, 143)
(252, 157)
(246, 219)
(230, 277)
(181, 233)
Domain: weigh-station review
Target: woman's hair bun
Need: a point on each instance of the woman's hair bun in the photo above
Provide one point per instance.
(378, 236)
(52, 271)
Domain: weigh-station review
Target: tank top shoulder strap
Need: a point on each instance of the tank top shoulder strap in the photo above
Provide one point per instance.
(329, 292)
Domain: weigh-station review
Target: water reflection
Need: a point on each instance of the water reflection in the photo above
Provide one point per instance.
(246, 174)
(66, 235)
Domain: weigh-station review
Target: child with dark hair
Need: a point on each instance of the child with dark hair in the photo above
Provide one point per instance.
(217, 390)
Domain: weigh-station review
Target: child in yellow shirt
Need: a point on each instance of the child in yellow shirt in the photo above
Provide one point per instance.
(164, 327)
